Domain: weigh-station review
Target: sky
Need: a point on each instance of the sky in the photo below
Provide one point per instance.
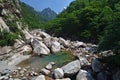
(56, 5)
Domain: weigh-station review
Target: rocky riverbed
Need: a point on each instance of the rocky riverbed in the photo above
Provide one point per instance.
(85, 64)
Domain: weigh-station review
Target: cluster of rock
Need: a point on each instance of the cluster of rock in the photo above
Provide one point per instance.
(44, 44)
(87, 66)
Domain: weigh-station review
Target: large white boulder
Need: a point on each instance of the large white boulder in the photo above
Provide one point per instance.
(40, 33)
(40, 77)
(84, 75)
(78, 44)
(5, 50)
(45, 71)
(71, 68)
(58, 73)
(64, 42)
(64, 79)
(39, 47)
(55, 46)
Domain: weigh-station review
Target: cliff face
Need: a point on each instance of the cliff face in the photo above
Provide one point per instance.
(9, 14)
(12, 25)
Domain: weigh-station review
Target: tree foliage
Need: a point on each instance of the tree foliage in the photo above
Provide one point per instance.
(95, 21)
(32, 17)
(7, 38)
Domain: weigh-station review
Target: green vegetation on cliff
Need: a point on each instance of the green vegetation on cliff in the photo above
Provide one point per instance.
(32, 17)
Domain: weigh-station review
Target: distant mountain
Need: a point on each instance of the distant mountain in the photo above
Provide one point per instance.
(33, 18)
(48, 14)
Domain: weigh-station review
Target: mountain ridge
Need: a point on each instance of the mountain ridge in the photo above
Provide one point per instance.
(48, 14)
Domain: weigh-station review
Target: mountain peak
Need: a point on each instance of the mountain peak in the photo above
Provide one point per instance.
(48, 13)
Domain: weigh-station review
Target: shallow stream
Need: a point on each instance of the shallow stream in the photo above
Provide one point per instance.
(37, 62)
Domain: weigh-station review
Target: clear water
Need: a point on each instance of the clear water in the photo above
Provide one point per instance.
(38, 63)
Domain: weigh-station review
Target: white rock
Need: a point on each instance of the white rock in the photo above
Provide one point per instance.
(58, 73)
(55, 46)
(84, 75)
(45, 71)
(78, 44)
(5, 50)
(52, 63)
(64, 79)
(83, 61)
(71, 68)
(27, 49)
(49, 66)
(3, 25)
(64, 42)
(40, 77)
(39, 48)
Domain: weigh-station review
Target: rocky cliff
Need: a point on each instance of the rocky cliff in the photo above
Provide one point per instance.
(9, 14)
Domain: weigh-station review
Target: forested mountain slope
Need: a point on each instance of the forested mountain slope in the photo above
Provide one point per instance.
(95, 21)
(33, 18)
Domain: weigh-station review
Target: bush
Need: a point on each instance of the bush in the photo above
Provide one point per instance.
(7, 38)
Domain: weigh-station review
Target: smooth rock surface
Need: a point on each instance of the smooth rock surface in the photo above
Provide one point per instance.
(72, 67)
(83, 61)
(84, 75)
(40, 77)
(55, 46)
(5, 50)
(49, 66)
(39, 47)
(58, 73)
(64, 42)
(64, 79)
(45, 71)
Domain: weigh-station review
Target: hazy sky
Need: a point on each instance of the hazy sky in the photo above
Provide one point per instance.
(56, 5)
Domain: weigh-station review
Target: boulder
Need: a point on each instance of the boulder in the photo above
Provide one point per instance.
(52, 63)
(83, 61)
(97, 65)
(5, 50)
(40, 33)
(71, 68)
(39, 47)
(78, 44)
(27, 49)
(45, 71)
(4, 78)
(84, 75)
(40, 77)
(93, 49)
(64, 79)
(47, 42)
(107, 53)
(3, 25)
(49, 66)
(55, 46)
(58, 73)
(64, 42)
